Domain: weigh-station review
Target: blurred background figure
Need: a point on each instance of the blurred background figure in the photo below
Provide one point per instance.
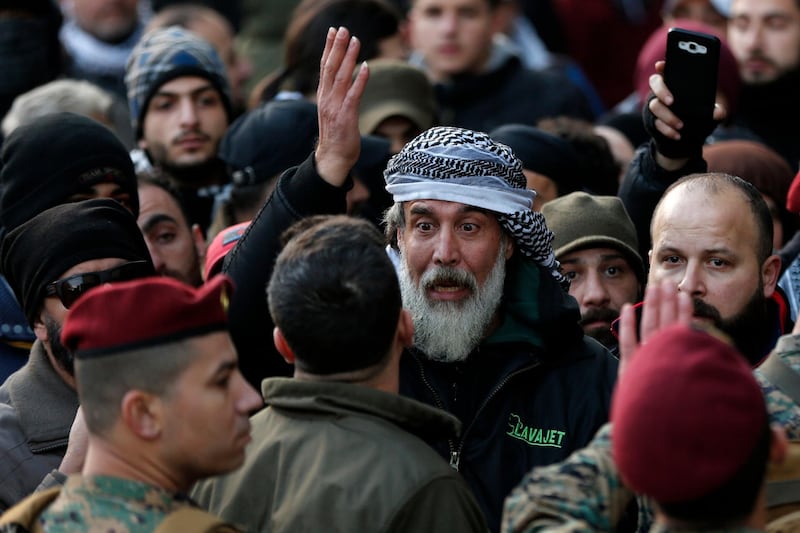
(30, 52)
(98, 36)
(398, 102)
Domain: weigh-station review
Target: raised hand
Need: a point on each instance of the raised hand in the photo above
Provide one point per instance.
(338, 99)
(664, 305)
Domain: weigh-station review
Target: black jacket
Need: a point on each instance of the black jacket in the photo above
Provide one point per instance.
(536, 390)
(644, 185)
(300, 192)
(508, 94)
(543, 369)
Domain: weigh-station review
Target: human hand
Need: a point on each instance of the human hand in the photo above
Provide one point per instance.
(73, 460)
(664, 305)
(675, 140)
(338, 100)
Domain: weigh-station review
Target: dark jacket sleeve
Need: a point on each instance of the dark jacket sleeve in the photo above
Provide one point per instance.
(643, 186)
(300, 192)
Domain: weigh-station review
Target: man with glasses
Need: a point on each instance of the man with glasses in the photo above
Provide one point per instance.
(58, 158)
(49, 262)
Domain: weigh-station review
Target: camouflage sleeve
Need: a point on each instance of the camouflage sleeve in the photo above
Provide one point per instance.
(782, 409)
(582, 493)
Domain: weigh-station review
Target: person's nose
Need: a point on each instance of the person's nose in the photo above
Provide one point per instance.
(188, 114)
(692, 282)
(447, 250)
(249, 400)
(594, 292)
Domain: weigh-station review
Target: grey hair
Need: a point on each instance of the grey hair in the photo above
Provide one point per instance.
(76, 96)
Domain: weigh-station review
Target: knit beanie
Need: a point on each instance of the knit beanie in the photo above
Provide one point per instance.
(396, 88)
(39, 251)
(580, 220)
(163, 55)
(543, 153)
(47, 161)
(266, 141)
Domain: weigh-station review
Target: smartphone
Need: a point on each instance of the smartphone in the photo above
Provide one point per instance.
(690, 72)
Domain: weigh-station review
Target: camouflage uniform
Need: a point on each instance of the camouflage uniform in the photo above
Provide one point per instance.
(101, 504)
(782, 409)
(585, 492)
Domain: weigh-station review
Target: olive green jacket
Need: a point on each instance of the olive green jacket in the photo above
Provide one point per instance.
(342, 457)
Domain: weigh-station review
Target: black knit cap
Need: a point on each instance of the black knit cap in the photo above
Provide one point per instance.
(543, 153)
(39, 251)
(45, 162)
(266, 141)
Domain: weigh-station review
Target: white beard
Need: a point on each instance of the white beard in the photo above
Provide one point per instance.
(448, 331)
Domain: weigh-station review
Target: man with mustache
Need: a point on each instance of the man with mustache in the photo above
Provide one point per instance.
(496, 337)
(595, 242)
(88, 243)
(497, 341)
(164, 405)
(180, 104)
(764, 36)
(712, 237)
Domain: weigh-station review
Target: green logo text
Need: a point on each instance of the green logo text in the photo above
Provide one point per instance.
(533, 436)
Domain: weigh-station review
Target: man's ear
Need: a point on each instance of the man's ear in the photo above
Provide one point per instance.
(199, 242)
(770, 271)
(40, 330)
(282, 346)
(405, 328)
(143, 414)
(510, 248)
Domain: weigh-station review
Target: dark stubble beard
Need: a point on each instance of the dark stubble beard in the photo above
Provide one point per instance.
(748, 329)
(63, 357)
(449, 331)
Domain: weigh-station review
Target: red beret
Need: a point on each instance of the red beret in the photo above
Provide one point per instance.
(793, 197)
(145, 312)
(686, 415)
(224, 241)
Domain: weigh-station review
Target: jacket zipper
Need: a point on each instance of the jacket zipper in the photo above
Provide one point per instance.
(455, 454)
(439, 404)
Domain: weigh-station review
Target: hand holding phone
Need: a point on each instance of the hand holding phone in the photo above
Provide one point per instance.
(690, 74)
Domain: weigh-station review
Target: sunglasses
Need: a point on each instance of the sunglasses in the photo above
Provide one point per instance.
(70, 289)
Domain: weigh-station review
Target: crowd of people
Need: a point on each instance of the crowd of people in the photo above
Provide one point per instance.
(480, 283)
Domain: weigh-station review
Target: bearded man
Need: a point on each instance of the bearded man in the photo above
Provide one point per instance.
(497, 341)
(712, 236)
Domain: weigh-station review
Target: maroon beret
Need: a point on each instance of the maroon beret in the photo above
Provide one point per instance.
(145, 312)
(686, 415)
(793, 196)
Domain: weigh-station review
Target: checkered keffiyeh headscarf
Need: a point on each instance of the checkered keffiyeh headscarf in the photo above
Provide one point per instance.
(468, 167)
(163, 55)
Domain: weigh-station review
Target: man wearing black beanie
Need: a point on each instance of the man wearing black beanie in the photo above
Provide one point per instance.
(88, 243)
(56, 159)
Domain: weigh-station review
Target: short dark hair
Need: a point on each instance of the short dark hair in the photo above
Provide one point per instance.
(734, 500)
(335, 296)
(156, 178)
(104, 381)
(715, 182)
